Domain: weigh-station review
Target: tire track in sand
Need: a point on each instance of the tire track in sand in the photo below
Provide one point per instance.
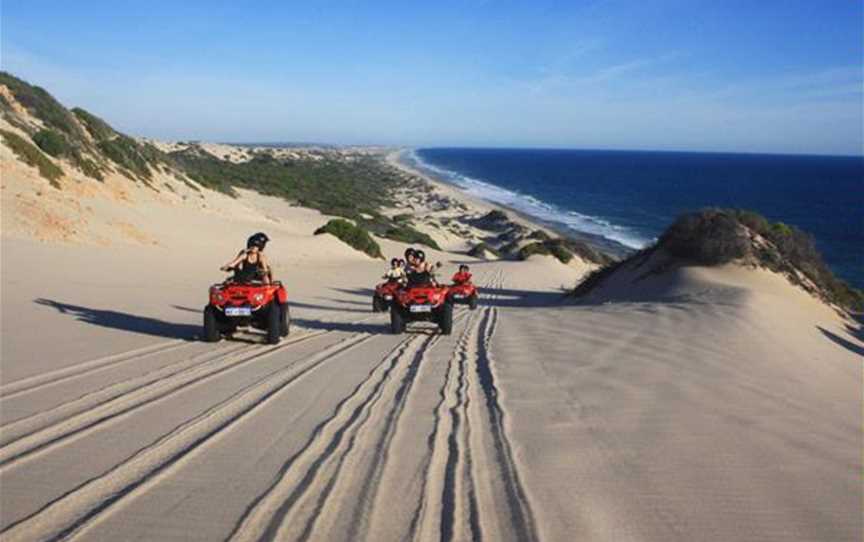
(26, 426)
(42, 380)
(120, 407)
(287, 505)
(522, 519)
(73, 512)
(447, 477)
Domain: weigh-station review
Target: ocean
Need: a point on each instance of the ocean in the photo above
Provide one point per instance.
(627, 198)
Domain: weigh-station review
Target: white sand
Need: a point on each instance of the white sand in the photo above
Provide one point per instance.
(708, 404)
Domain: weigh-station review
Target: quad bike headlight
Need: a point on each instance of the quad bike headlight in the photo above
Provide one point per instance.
(258, 298)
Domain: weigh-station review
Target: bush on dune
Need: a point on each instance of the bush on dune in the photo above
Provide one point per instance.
(532, 249)
(57, 145)
(98, 128)
(352, 235)
(709, 237)
(53, 143)
(719, 236)
(479, 251)
(124, 151)
(41, 105)
(33, 157)
(563, 250)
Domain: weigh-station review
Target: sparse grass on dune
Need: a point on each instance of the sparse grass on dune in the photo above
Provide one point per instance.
(32, 156)
(354, 236)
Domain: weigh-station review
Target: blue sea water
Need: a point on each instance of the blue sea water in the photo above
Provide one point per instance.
(630, 197)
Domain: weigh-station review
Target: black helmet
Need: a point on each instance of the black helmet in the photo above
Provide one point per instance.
(258, 240)
(394, 261)
(420, 255)
(401, 263)
(410, 252)
(463, 267)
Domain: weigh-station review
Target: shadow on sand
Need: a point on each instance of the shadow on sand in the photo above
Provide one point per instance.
(854, 331)
(124, 321)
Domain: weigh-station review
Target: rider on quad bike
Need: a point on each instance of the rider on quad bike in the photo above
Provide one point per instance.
(463, 290)
(423, 299)
(396, 273)
(463, 275)
(385, 291)
(251, 264)
(419, 271)
(250, 299)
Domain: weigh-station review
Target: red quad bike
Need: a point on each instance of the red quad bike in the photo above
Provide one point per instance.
(464, 293)
(384, 294)
(422, 303)
(235, 304)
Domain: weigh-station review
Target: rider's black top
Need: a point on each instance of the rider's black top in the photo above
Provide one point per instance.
(419, 278)
(247, 271)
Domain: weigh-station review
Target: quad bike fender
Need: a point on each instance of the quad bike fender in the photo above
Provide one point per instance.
(282, 295)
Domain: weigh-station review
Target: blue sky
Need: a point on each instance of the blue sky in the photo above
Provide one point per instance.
(725, 75)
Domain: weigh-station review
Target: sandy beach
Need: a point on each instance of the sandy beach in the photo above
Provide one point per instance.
(707, 404)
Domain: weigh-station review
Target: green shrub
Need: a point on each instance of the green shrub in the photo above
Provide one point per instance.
(539, 235)
(90, 168)
(780, 230)
(352, 235)
(707, 237)
(558, 248)
(494, 220)
(98, 128)
(479, 251)
(585, 251)
(33, 157)
(41, 105)
(533, 248)
(126, 153)
(53, 143)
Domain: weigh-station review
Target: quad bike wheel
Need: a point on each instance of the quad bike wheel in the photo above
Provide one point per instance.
(274, 323)
(377, 304)
(284, 320)
(472, 301)
(397, 320)
(445, 319)
(211, 325)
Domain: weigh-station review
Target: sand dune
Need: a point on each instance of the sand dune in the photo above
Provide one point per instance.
(700, 404)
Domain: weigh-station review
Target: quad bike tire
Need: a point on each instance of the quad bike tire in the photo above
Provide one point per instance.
(445, 319)
(472, 301)
(212, 333)
(284, 320)
(377, 304)
(274, 323)
(397, 320)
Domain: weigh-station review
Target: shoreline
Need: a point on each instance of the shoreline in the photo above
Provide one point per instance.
(597, 242)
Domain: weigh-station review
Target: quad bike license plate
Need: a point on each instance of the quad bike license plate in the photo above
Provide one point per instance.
(238, 311)
(459, 296)
(421, 308)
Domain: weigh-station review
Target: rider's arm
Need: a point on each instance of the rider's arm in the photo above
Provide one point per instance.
(233, 263)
